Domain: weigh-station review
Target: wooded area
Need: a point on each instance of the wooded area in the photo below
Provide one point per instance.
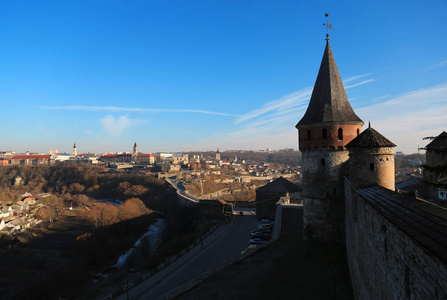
(87, 239)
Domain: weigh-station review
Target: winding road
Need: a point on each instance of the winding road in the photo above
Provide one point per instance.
(223, 245)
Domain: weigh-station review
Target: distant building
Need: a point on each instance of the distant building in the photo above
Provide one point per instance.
(116, 158)
(400, 154)
(268, 195)
(145, 159)
(36, 159)
(59, 157)
(180, 158)
(164, 156)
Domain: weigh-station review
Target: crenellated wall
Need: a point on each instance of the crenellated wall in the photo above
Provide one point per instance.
(392, 247)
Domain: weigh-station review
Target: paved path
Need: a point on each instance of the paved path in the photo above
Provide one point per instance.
(226, 243)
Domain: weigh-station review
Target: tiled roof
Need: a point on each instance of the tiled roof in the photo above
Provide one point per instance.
(423, 221)
(370, 138)
(280, 185)
(329, 103)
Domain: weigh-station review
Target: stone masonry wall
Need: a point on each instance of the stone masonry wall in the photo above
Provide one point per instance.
(323, 194)
(382, 173)
(384, 262)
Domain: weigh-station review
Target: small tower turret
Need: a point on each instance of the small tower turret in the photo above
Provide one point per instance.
(371, 160)
(75, 151)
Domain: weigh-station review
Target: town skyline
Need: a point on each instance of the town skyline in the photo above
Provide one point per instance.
(200, 76)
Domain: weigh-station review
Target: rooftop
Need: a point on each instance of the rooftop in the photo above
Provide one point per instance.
(370, 138)
(439, 143)
(280, 185)
(329, 104)
(423, 221)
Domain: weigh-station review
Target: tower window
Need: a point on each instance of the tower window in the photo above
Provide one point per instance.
(308, 135)
(340, 134)
(358, 131)
(371, 167)
(324, 132)
(323, 162)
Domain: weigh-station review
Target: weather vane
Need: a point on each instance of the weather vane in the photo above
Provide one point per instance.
(328, 26)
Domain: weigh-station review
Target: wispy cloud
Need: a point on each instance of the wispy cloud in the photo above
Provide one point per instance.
(441, 64)
(45, 131)
(115, 125)
(404, 119)
(409, 117)
(359, 83)
(355, 78)
(291, 103)
(116, 109)
(285, 104)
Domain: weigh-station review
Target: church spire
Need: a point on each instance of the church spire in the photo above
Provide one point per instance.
(329, 103)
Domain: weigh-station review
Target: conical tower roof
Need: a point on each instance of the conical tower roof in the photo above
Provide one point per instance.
(370, 138)
(329, 104)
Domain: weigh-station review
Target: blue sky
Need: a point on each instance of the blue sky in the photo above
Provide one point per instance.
(201, 75)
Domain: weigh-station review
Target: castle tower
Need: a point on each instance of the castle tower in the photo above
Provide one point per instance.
(217, 155)
(75, 151)
(371, 160)
(327, 126)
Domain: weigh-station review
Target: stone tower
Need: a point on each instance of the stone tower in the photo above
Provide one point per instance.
(217, 155)
(135, 153)
(327, 126)
(75, 151)
(371, 160)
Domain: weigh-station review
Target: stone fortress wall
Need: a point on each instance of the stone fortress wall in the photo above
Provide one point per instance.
(389, 253)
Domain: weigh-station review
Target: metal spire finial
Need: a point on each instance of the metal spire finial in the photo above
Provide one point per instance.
(369, 124)
(328, 26)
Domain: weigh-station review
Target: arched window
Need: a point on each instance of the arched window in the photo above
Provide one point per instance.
(358, 131)
(308, 135)
(324, 134)
(371, 167)
(340, 134)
